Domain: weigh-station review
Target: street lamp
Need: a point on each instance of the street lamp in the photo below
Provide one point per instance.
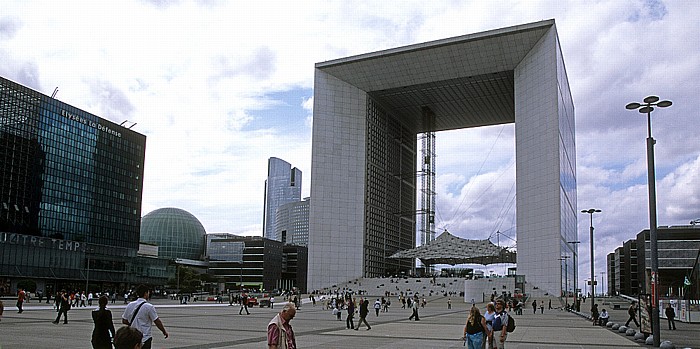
(575, 243)
(566, 279)
(591, 211)
(646, 108)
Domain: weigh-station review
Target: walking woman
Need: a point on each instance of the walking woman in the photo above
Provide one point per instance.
(489, 316)
(474, 329)
(104, 327)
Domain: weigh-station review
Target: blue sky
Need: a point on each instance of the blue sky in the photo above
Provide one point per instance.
(218, 87)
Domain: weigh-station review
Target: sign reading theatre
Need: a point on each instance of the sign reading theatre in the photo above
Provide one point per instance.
(41, 242)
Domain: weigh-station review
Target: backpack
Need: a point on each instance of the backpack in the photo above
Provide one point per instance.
(510, 327)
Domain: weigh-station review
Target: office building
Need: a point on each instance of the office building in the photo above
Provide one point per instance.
(283, 185)
(292, 223)
(70, 195)
(368, 110)
(678, 253)
(255, 263)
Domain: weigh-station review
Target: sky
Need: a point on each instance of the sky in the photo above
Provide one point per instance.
(218, 87)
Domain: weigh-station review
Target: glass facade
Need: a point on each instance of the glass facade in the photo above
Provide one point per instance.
(283, 185)
(293, 223)
(390, 203)
(178, 233)
(70, 189)
(567, 177)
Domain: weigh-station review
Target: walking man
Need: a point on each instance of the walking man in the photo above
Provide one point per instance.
(364, 310)
(20, 300)
(414, 306)
(142, 315)
(351, 313)
(534, 307)
(632, 311)
(280, 334)
(63, 305)
(670, 316)
(244, 304)
(500, 324)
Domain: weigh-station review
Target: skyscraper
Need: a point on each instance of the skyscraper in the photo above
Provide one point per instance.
(283, 185)
(293, 223)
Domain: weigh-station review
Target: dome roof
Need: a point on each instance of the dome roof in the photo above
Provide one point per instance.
(177, 233)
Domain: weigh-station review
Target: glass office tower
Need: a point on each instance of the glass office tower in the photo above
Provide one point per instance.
(283, 185)
(70, 193)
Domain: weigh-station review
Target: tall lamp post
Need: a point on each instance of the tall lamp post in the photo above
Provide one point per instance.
(590, 212)
(575, 243)
(646, 108)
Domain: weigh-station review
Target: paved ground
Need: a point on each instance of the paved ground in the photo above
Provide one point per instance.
(208, 325)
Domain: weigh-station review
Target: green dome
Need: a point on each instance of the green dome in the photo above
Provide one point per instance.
(177, 233)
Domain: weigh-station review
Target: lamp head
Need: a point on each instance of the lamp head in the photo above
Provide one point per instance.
(633, 105)
(646, 110)
(651, 99)
(664, 104)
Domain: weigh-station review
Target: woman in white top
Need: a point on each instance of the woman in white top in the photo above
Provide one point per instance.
(489, 316)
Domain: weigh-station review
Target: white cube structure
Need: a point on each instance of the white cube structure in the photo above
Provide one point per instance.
(368, 110)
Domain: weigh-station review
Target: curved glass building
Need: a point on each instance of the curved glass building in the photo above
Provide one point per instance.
(177, 233)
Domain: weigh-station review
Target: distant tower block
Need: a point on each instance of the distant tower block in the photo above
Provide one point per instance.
(369, 111)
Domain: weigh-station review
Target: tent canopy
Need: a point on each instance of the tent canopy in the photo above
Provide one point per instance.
(449, 249)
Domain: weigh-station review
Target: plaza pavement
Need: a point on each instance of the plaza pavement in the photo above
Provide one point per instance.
(209, 325)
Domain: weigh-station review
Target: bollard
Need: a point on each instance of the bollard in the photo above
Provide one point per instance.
(622, 329)
(630, 332)
(615, 327)
(639, 336)
(667, 345)
(650, 340)
(609, 324)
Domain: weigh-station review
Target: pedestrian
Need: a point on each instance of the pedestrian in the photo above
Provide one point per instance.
(272, 302)
(21, 296)
(127, 337)
(103, 332)
(474, 329)
(244, 304)
(500, 323)
(534, 306)
(377, 306)
(142, 315)
(414, 307)
(280, 334)
(542, 307)
(449, 304)
(351, 313)
(90, 296)
(338, 313)
(364, 310)
(550, 304)
(489, 316)
(63, 305)
(595, 315)
(632, 312)
(670, 316)
(83, 298)
(604, 317)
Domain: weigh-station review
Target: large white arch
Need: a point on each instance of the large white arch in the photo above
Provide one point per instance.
(368, 110)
